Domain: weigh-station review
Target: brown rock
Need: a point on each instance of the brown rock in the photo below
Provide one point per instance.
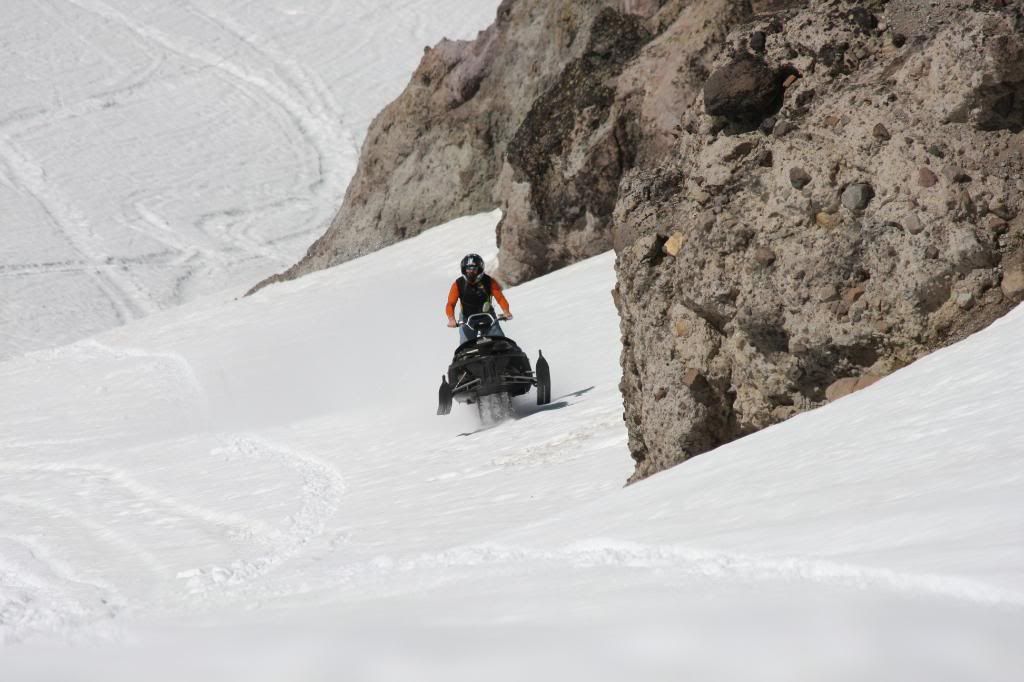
(852, 295)
(925, 177)
(881, 132)
(764, 256)
(826, 220)
(674, 243)
(913, 224)
(1012, 284)
(844, 387)
(931, 252)
(997, 225)
(840, 388)
(693, 378)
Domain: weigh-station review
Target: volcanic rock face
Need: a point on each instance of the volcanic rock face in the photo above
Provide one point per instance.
(533, 116)
(874, 217)
(434, 153)
(803, 195)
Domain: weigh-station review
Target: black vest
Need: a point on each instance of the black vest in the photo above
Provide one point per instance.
(476, 297)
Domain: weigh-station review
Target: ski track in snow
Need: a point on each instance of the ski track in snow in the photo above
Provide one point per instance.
(316, 126)
(30, 180)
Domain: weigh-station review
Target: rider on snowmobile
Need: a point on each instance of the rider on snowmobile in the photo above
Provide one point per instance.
(474, 291)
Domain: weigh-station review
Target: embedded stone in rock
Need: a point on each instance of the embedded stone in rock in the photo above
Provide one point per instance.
(931, 252)
(739, 151)
(955, 174)
(757, 40)
(764, 256)
(1012, 283)
(798, 177)
(692, 378)
(965, 300)
(829, 220)
(846, 386)
(857, 196)
(746, 90)
(673, 244)
(913, 224)
(852, 295)
(783, 128)
(881, 132)
(997, 225)
(1001, 209)
(862, 19)
(826, 293)
(925, 177)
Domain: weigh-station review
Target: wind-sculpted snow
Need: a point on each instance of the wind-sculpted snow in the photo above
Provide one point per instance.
(263, 484)
(154, 152)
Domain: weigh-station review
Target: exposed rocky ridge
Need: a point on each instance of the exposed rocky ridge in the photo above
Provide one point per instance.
(439, 150)
(436, 152)
(804, 195)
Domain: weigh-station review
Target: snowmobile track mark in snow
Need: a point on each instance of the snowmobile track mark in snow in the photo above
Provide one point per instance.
(321, 491)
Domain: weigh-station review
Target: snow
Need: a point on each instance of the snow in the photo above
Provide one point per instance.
(203, 486)
(153, 152)
(263, 483)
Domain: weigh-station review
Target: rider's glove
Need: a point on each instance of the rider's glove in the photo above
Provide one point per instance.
(508, 316)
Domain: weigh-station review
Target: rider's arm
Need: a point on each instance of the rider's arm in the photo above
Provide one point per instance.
(499, 297)
(453, 297)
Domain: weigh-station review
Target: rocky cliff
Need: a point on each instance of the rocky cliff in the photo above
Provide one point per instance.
(804, 196)
(844, 197)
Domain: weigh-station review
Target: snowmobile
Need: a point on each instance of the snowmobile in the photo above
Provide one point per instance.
(490, 370)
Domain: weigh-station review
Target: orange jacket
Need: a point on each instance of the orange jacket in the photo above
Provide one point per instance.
(453, 298)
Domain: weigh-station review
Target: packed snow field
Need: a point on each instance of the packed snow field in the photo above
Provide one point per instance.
(155, 151)
(260, 489)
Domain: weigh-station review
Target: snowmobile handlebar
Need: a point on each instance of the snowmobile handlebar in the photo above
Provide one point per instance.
(494, 318)
(481, 322)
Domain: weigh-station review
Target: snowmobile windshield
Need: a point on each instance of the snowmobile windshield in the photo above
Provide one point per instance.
(480, 322)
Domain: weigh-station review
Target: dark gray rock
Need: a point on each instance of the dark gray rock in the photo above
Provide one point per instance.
(746, 90)
(798, 177)
(857, 196)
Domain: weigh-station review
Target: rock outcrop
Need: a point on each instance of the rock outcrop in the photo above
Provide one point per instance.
(803, 195)
(820, 242)
(540, 115)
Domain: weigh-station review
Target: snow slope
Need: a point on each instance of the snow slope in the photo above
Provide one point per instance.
(259, 489)
(155, 151)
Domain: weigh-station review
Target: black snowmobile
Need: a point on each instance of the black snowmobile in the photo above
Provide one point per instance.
(490, 371)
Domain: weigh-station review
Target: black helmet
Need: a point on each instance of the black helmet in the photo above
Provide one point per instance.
(472, 260)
